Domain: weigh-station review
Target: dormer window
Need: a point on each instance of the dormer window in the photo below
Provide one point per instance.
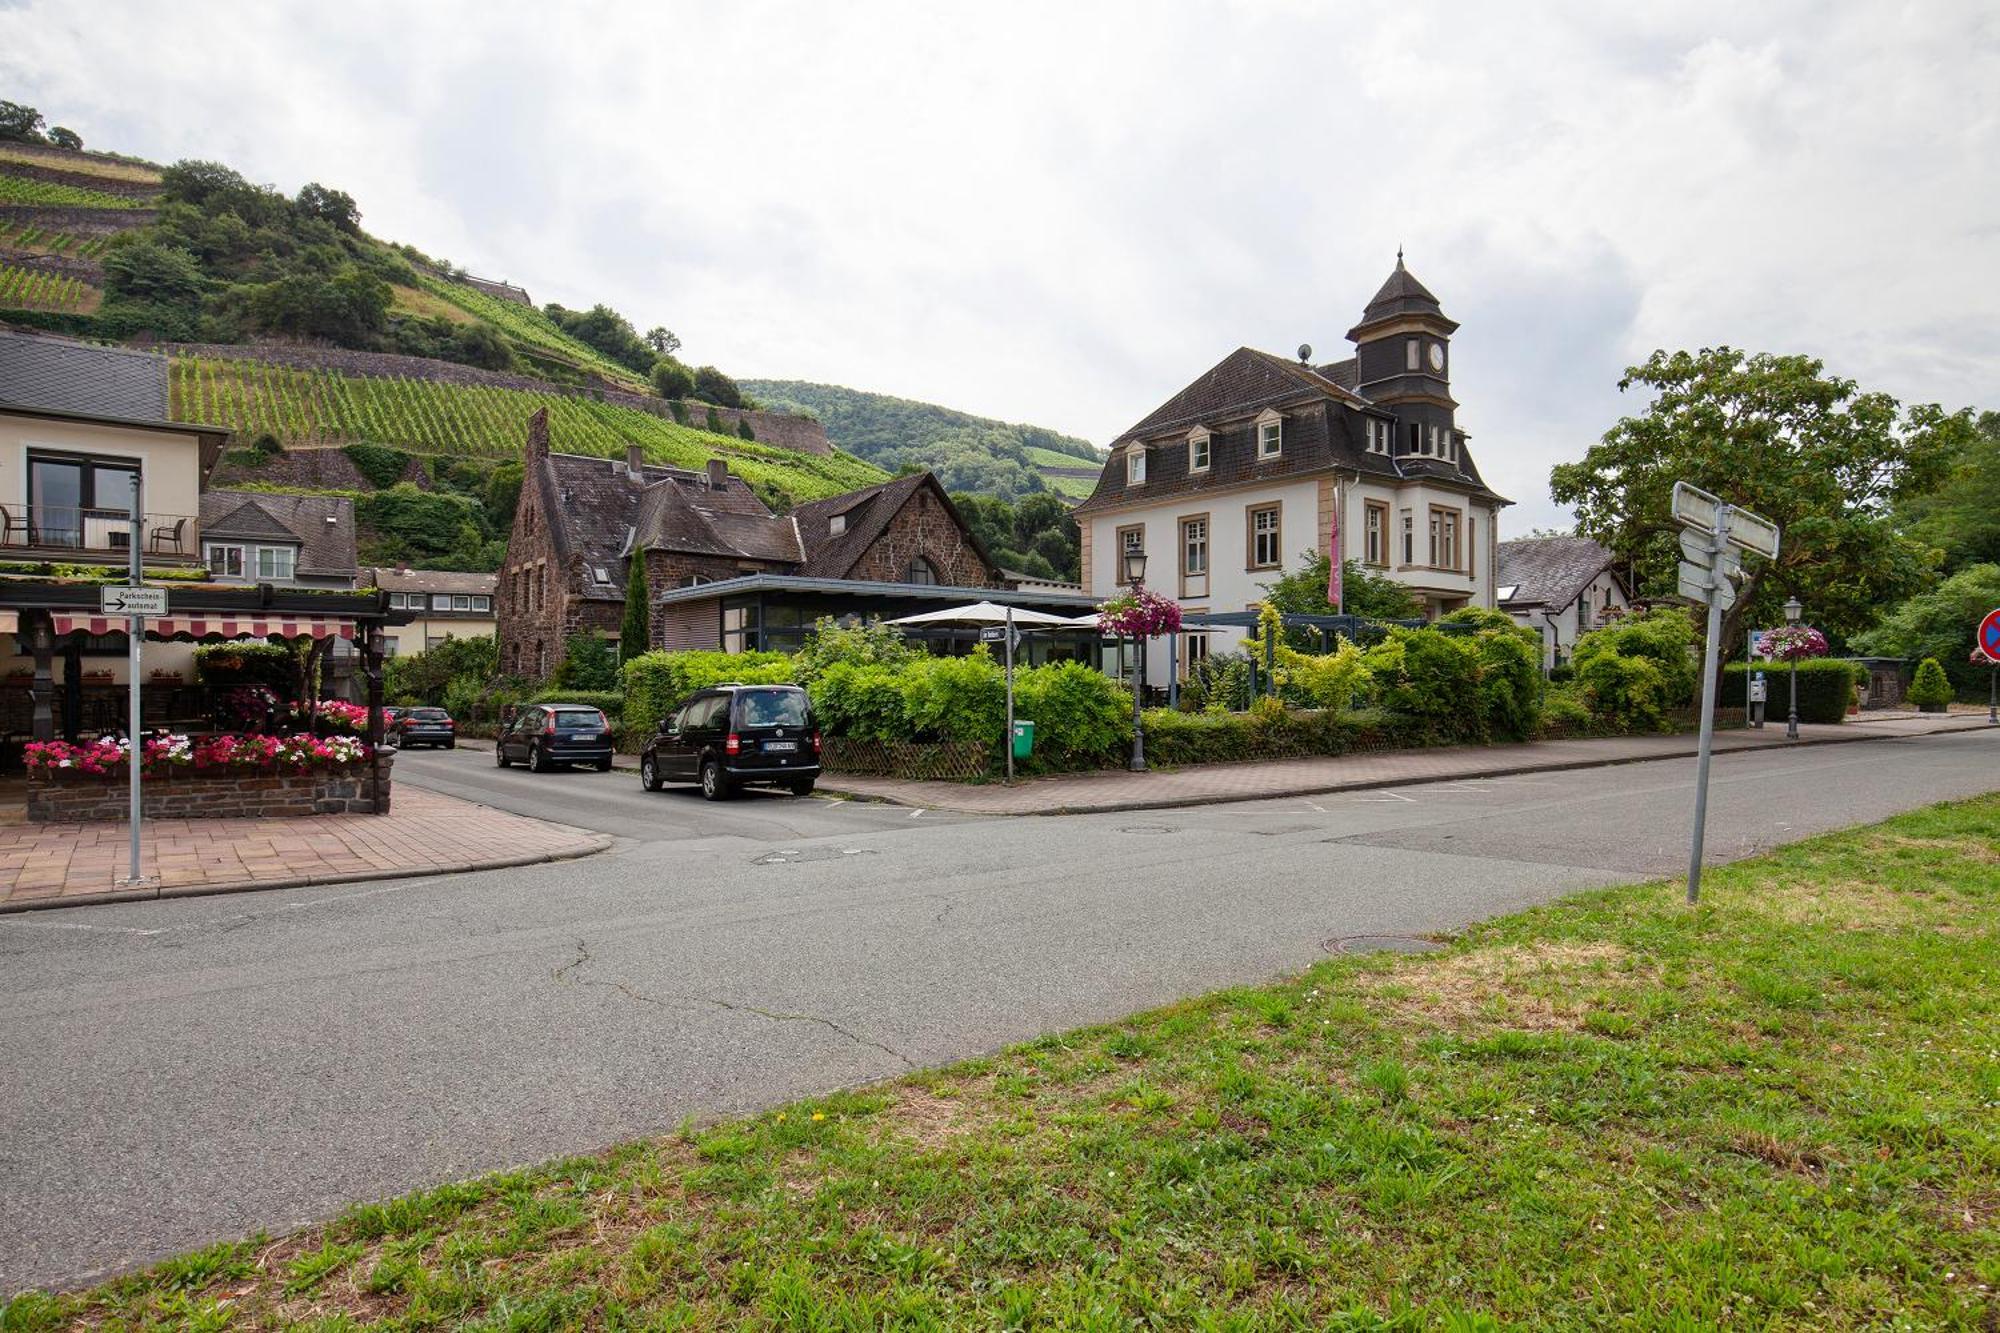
(1270, 436)
(1135, 465)
(1197, 450)
(1378, 436)
(836, 525)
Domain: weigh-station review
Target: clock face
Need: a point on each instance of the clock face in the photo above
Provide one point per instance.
(1437, 356)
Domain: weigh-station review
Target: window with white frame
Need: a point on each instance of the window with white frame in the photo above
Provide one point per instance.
(1412, 354)
(440, 601)
(1270, 436)
(1198, 450)
(1265, 546)
(1135, 465)
(276, 562)
(226, 561)
(1409, 538)
(1375, 547)
(1194, 547)
(482, 603)
(461, 602)
(836, 525)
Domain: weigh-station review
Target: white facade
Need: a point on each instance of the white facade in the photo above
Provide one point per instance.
(1560, 627)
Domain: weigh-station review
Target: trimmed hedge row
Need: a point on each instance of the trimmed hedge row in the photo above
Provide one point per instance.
(1270, 731)
(656, 682)
(1825, 687)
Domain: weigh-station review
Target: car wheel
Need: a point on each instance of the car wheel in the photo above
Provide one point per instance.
(500, 759)
(451, 745)
(538, 760)
(604, 765)
(649, 775)
(802, 787)
(714, 786)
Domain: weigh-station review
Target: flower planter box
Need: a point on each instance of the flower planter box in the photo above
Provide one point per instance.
(167, 678)
(63, 797)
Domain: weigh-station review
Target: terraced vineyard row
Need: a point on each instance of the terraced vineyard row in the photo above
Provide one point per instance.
(528, 326)
(34, 289)
(83, 164)
(29, 236)
(458, 420)
(53, 194)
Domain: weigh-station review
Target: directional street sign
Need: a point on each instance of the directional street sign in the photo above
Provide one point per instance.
(1705, 574)
(1696, 508)
(997, 634)
(120, 599)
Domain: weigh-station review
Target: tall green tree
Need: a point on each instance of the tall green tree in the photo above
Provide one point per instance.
(1940, 622)
(1363, 593)
(1776, 435)
(1962, 517)
(635, 635)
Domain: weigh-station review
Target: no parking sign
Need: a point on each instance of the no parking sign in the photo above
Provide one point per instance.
(1988, 637)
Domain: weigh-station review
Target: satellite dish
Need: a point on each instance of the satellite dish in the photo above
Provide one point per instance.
(1305, 353)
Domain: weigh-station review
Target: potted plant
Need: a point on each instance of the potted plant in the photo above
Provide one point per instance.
(164, 677)
(1930, 691)
(100, 676)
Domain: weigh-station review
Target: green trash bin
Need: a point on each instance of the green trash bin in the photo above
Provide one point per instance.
(1024, 739)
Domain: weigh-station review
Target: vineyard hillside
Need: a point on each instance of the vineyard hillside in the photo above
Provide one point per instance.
(314, 408)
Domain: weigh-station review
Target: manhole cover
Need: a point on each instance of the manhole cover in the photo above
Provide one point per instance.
(1146, 828)
(1380, 944)
(797, 856)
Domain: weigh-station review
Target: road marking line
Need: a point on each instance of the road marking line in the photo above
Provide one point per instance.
(916, 814)
(1311, 806)
(1386, 797)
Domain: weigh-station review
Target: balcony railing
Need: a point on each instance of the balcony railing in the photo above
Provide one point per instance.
(94, 534)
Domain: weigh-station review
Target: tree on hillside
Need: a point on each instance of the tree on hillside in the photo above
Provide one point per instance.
(1940, 622)
(662, 341)
(1962, 517)
(333, 207)
(672, 380)
(21, 123)
(62, 136)
(635, 635)
(1777, 436)
(1038, 537)
(712, 386)
(606, 330)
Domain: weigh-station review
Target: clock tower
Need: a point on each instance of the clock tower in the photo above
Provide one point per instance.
(1402, 355)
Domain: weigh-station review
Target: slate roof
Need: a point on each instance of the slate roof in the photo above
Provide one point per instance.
(1548, 571)
(594, 508)
(430, 580)
(324, 548)
(1323, 430)
(1401, 294)
(41, 371)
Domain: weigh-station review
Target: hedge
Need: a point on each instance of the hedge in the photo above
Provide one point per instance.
(1826, 687)
(609, 702)
(655, 683)
(1270, 732)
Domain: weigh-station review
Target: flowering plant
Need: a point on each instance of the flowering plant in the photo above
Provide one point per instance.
(108, 757)
(1979, 658)
(1790, 643)
(332, 714)
(248, 707)
(1141, 614)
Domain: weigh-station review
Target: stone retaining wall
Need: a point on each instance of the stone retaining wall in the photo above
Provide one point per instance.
(67, 799)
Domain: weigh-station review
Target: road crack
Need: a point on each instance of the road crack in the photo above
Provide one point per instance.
(568, 972)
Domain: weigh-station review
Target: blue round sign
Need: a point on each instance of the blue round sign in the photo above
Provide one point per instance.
(1989, 635)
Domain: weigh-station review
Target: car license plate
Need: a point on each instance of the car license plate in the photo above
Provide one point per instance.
(780, 747)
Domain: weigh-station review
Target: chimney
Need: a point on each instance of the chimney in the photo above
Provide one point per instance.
(538, 435)
(718, 474)
(635, 461)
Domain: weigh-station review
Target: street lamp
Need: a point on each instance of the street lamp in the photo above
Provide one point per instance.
(1792, 612)
(1135, 575)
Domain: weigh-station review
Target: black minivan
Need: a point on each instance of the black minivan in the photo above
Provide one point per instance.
(732, 736)
(544, 735)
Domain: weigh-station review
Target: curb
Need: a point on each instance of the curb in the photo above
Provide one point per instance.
(598, 842)
(1377, 784)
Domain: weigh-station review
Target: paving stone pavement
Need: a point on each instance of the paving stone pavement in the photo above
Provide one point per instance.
(64, 865)
(1207, 784)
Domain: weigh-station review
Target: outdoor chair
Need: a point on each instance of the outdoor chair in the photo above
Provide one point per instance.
(9, 525)
(165, 538)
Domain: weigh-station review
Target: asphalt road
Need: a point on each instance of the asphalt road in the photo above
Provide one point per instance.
(184, 1071)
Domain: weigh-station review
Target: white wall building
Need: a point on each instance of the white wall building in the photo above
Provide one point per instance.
(1240, 475)
(1560, 587)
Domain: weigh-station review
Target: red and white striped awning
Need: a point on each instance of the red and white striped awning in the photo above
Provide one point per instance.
(192, 628)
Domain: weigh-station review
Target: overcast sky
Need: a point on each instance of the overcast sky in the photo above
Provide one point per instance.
(1060, 214)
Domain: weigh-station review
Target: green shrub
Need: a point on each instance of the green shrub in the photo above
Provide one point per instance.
(856, 645)
(655, 683)
(860, 700)
(1664, 636)
(426, 677)
(587, 664)
(1825, 688)
(1930, 689)
(1566, 712)
(1274, 732)
(1510, 680)
(1431, 678)
(1623, 693)
(609, 702)
(272, 664)
(1082, 717)
(955, 698)
(1325, 680)
(381, 465)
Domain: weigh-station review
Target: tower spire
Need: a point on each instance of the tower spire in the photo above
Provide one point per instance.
(1399, 254)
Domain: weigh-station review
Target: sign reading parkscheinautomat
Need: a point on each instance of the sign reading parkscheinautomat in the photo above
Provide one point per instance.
(120, 599)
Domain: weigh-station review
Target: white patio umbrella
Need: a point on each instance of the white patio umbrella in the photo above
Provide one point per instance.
(982, 613)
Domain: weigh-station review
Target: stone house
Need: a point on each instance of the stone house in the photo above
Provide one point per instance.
(723, 571)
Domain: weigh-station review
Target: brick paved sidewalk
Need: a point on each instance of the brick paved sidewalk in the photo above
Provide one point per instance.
(62, 865)
(1077, 793)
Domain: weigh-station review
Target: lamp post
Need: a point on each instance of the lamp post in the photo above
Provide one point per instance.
(1792, 612)
(1135, 575)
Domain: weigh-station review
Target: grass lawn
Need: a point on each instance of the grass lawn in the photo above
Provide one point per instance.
(1779, 1111)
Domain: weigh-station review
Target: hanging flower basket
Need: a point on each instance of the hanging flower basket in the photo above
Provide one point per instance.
(1791, 643)
(1143, 614)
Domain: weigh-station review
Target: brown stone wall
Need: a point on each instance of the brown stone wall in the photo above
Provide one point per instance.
(532, 604)
(673, 569)
(70, 799)
(927, 527)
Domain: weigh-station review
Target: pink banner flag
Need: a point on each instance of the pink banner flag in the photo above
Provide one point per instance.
(1333, 584)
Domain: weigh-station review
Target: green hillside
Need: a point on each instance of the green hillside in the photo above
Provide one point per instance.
(460, 421)
(969, 453)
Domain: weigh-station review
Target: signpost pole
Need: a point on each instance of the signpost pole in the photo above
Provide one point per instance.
(1709, 655)
(1010, 694)
(134, 629)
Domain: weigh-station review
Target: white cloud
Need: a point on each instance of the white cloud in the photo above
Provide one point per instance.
(1061, 213)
